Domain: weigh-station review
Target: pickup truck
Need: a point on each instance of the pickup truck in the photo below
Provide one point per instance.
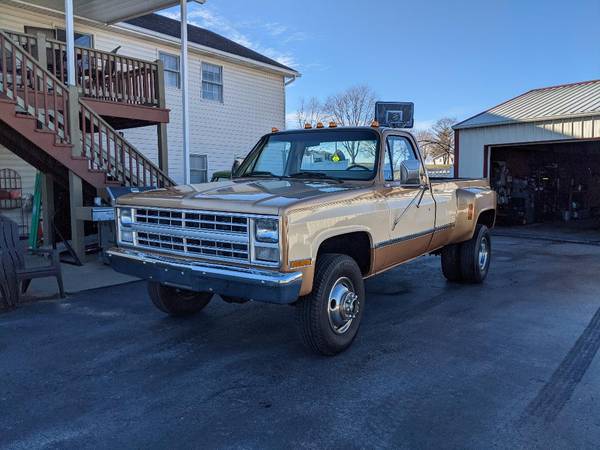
(307, 216)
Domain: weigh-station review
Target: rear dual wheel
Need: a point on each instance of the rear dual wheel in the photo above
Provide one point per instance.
(468, 261)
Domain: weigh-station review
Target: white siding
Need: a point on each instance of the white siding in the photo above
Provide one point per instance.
(253, 99)
(473, 140)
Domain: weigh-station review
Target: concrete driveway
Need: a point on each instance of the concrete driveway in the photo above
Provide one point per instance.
(510, 363)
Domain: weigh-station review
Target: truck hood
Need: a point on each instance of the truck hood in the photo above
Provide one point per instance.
(264, 196)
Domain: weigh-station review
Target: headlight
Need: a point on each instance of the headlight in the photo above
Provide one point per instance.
(266, 230)
(125, 222)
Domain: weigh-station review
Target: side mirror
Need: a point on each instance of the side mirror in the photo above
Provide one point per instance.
(410, 172)
(235, 166)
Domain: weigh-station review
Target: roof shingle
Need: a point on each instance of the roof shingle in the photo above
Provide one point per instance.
(201, 36)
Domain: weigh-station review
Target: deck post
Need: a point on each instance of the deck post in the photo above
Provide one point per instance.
(70, 38)
(42, 55)
(183, 61)
(161, 128)
(48, 208)
(75, 204)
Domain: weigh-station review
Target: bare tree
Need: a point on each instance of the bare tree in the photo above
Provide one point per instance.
(353, 107)
(438, 142)
(309, 111)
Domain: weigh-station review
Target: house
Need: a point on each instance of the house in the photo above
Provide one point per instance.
(124, 125)
(541, 151)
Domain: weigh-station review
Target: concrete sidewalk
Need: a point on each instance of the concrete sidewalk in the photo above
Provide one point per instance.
(93, 274)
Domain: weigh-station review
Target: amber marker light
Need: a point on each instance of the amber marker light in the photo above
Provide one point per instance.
(332, 124)
(307, 126)
(319, 124)
(375, 124)
(300, 263)
(274, 130)
(470, 212)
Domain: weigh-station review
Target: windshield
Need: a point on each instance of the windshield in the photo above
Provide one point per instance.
(335, 154)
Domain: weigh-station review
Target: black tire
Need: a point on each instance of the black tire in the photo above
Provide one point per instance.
(451, 263)
(177, 302)
(472, 271)
(317, 330)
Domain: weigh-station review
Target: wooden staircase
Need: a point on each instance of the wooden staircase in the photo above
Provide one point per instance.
(38, 113)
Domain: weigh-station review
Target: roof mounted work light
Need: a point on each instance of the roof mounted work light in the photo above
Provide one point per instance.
(395, 114)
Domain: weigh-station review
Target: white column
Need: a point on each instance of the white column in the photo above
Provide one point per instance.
(70, 31)
(184, 92)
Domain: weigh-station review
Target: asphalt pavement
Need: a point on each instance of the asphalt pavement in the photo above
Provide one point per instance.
(511, 363)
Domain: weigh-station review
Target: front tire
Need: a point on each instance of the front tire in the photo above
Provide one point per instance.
(177, 302)
(329, 317)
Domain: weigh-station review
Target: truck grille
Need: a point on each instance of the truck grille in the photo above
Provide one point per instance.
(193, 233)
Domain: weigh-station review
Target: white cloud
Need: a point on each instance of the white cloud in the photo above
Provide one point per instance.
(205, 17)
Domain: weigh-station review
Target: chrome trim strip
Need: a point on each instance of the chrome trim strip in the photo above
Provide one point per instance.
(217, 236)
(415, 235)
(239, 273)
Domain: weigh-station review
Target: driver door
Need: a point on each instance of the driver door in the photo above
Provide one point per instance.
(411, 207)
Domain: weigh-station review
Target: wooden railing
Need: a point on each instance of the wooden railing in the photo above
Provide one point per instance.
(27, 41)
(106, 75)
(37, 93)
(98, 74)
(108, 151)
(43, 96)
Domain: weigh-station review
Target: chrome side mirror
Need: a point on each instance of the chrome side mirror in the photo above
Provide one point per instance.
(410, 172)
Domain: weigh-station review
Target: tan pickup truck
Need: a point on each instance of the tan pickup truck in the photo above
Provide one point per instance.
(307, 216)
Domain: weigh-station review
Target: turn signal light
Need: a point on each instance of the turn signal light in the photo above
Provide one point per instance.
(300, 263)
(307, 126)
(470, 211)
(274, 130)
(332, 124)
(375, 124)
(319, 124)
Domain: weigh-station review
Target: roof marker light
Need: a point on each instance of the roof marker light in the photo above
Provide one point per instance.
(274, 130)
(375, 124)
(307, 126)
(319, 124)
(332, 124)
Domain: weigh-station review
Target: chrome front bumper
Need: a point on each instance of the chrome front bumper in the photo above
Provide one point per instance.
(246, 283)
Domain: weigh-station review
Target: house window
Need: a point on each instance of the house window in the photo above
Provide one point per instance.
(198, 169)
(212, 82)
(171, 66)
(81, 39)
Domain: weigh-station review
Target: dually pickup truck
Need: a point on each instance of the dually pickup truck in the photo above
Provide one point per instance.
(306, 217)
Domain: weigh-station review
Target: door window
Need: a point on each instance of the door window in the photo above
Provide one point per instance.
(399, 149)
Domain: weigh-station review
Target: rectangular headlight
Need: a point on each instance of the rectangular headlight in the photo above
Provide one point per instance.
(125, 218)
(266, 230)
(270, 254)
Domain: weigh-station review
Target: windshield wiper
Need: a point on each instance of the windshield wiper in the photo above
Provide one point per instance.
(319, 175)
(261, 173)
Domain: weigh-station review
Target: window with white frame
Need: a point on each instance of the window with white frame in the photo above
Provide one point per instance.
(198, 169)
(212, 82)
(171, 69)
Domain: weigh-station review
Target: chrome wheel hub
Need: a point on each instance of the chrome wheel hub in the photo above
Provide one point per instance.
(342, 306)
(484, 254)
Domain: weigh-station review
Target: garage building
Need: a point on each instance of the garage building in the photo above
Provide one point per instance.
(541, 152)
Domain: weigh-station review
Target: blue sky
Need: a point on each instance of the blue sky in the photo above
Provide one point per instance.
(450, 58)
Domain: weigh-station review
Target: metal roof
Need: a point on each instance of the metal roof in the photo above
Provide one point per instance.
(106, 11)
(555, 102)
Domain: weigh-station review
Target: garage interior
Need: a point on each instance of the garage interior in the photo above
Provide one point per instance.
(556, 183)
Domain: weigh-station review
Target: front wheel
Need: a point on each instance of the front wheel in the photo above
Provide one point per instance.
(329, 317)
(177, 302)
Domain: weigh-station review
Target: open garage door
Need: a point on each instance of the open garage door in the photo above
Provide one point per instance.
(552, 183)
